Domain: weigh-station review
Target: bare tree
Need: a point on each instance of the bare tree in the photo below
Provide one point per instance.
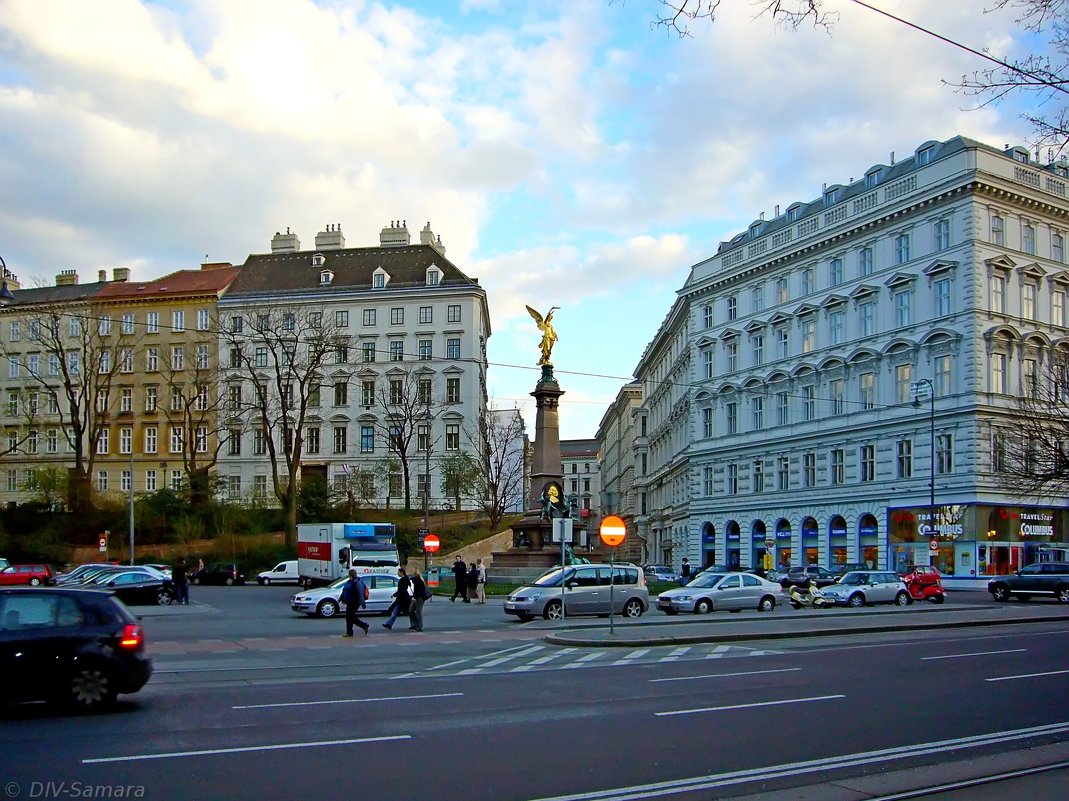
(678, 14)
(461, 476)
(407, 402)
(279, 354)
(1032, 452)
(499, 441)
(75, 360)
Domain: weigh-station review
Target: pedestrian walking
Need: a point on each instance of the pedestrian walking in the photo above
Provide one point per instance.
(460, 580)
(684, 573)
(480, 591)
(354, 595)
(402, 599)
(181, 581)
(473, 581)
(420, 595)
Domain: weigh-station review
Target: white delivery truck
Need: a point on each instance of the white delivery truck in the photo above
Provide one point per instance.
(326, 551)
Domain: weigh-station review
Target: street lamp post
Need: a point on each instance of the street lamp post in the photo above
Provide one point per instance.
(918, 388)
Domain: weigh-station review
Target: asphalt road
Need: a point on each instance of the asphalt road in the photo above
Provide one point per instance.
(251, 702)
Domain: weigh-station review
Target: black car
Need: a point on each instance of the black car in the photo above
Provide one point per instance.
(801, 576)
(220, 573)
(848, 567)
(81, 647)
(137, 588)
(1039, 580)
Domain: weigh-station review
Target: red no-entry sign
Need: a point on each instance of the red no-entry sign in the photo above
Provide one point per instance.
(431, 543)
(612, 531)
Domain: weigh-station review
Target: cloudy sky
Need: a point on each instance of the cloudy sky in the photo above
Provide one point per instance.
(567, 153)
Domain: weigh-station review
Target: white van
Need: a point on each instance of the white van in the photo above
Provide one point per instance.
(282, 573)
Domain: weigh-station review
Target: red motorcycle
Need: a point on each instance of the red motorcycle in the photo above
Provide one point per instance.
(925, 584)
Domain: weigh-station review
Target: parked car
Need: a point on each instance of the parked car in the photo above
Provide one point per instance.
(802, 575)
(708, 592)
(78, 573)
(860, 587)
(102, 575)
(326, 601)
(165, 570)
(137, 588)
(586, 591)
(1041, 580)
(31, 575)
(78, 646)
(220, 573)
(660, 573)
(282, 573)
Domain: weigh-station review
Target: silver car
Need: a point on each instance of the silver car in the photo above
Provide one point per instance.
(582, 590)
(860, 587)
(708, 592)
(326, 601)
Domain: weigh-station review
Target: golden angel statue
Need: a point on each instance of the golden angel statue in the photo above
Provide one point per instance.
(549, 336)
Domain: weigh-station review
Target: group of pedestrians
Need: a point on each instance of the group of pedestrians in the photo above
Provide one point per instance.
(408, 600)
(470, 581)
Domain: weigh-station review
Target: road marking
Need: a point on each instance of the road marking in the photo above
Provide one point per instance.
(748, 706)
(725, 675)
(975, 653)
(694, 784)
(674, 656)
(348, 701)
(584, 661)
(626, 660)
(542, 660)
(533, 649)
(1028, 675)
(246, 749)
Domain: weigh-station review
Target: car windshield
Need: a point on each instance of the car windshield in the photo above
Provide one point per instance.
(553, 577)
(340, 582)
(854, 578)
(706, 580)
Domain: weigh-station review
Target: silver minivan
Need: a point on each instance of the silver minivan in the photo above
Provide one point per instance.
(860, 587)
(582, 590)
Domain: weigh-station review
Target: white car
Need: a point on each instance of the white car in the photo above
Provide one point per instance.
(326, 601)
(282, 573)
(708, 592)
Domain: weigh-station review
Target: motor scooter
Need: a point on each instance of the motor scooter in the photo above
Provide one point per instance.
(925, 587)
(812, 598)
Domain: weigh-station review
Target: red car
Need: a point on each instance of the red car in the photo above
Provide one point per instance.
(32, 575)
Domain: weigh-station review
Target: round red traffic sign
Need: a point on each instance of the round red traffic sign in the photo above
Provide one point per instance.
(431, 543)
(612, 531)
(933, 545)
(103, 541)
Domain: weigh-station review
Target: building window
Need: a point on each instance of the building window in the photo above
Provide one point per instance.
(998, 373)
(707, 362)
(150, 480)
(707, 481)
(341, 393)
(998, 233)
(452, 313)
(368, 349)
(942, 297)
(426, 315)
(868, 462)
(1028, 239)
(452, 437)
(903, 378)
(432, 277)
(452, 348)
(733, 479)
(998, 452)
(758, 476)
(838, 466)
(809, 470)
(808, 284)
(126, 440)
(103, 442)
(176, 480)
(341, 354)
(809, 335)
(837, 321)
(707, 422)
(782, 406)
(758, 343)
(397, 350)
(104, 326)
(904, 458)
(341, 318)
(177, 439)
(1028, 300)
(707, 316)
(367, 439)
(202, 319)
(783, 343)
(732, 416)
(944, 456)
(368, 317)
(732, 307)
(341, 437)
(864, 261)
(835, 272)
(378, 281)
(942, 234)
(1057, 308)
(1029, 378)
(1057, 247)
(311, 439)
(150, 439)
(809, 403)
(998, 294)
(836, 388)
(200, 435)
(233, 442)
(367, 393)
(233, 487)
(782, 291)
(901, 248)
(757, 298)
(423, 392)
(903, 308)
(867, 390)
(731, 347)
(452, 390)
(783, 473)
(102, 480)
(944, 369)
(151, 398)
(202, 357)
(757, 408)
(178, 322)
(261, 357)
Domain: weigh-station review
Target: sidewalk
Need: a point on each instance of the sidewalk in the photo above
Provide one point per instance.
(720, 627)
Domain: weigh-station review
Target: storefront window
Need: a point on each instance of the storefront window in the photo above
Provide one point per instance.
(810, 542)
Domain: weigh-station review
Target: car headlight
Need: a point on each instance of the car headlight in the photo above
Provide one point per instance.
(300, 598)
(684, 597)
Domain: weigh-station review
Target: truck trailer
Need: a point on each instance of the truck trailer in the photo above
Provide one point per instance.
(326, 551)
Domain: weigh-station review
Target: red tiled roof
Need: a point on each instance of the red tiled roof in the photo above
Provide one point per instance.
(183, 282)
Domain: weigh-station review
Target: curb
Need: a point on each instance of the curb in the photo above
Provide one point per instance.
(577, 638)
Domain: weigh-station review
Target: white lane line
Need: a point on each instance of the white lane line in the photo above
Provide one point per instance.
(348, 701)
(534, 649)
(749, 706)
(1028, 675)
(629, 658)
(534, 663)
(974, 653)
(675, 654)
(583, 661)
(246, 749)
(725, 675)
(469, 658)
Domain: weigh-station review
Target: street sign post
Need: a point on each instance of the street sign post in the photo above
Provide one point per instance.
(613, 532)
(562, 530)
(103, 543)
(430, 543)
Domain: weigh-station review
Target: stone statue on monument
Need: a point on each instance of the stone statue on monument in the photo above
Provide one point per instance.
(549, 335)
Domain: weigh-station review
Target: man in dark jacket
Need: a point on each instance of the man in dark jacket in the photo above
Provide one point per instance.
(181, 581)
(401, 599)
(460, 576)
(352, 595)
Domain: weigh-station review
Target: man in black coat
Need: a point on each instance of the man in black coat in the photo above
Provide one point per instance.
(460, 576)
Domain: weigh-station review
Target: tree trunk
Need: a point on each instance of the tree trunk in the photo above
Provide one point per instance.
(289, 537)
(79, 491)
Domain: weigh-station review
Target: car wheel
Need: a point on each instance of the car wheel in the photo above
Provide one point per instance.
(633, 608)
(703, 607)
(164, 598)
(91, 687)
(327, 608)
(856, 601)
(767, 604)
(1062, 594)
(1001, 593)
(261, 581)
(553, 611)
(902, 599)
(34, 582)
(230, 582)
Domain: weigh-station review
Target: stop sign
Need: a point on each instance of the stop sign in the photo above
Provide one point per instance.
(612, 531)
(431, 543)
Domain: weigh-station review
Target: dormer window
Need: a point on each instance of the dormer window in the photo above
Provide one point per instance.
(831, 196)
(326, 277)
(318, 259)
(433, 277)
(872, 177)
(378, 280)
(793, 213)
(925, 156)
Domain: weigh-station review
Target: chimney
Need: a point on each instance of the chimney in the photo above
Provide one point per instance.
(11, 278)
(427, 237)
(331, 239)
(67, 278)
(285, 243)
(121, 274)
(395, 235)
(102, 276)
(215, 265)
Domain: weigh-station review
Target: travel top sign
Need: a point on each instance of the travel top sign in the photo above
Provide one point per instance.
(978, 522)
